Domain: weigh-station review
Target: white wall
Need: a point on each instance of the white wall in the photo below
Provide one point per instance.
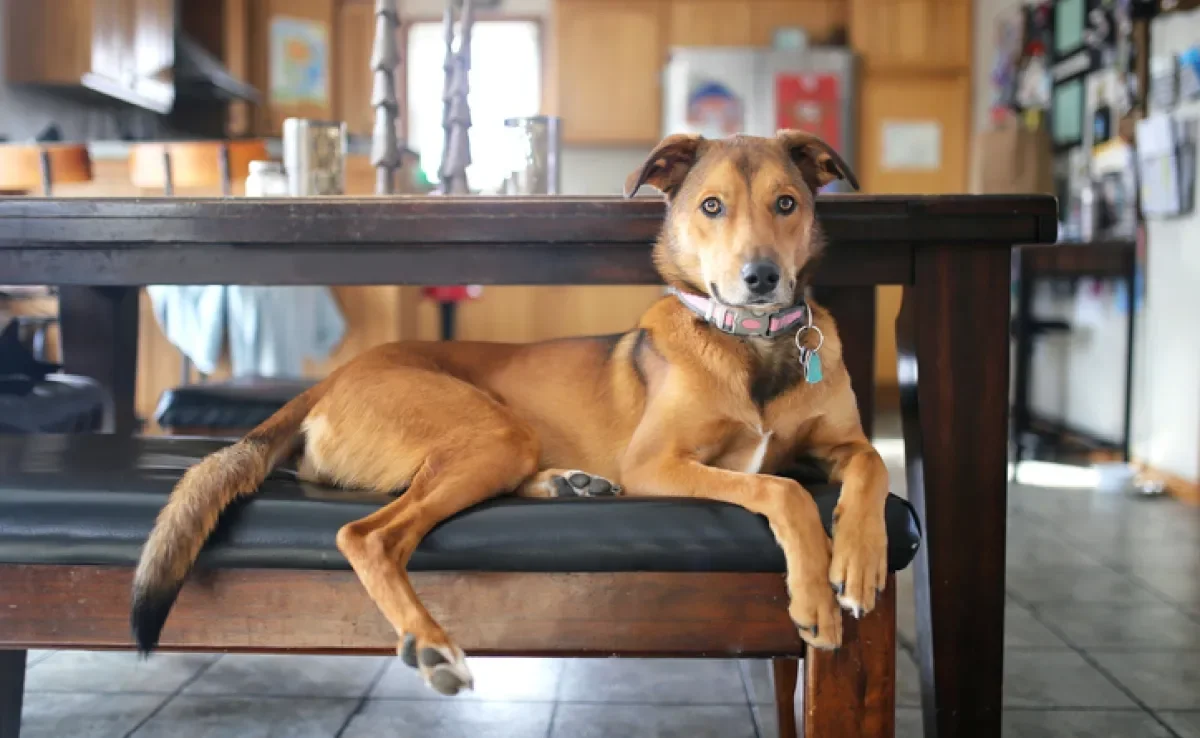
(1167, 393)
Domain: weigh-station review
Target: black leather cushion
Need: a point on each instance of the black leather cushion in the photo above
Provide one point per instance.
(93, 499)
(236, 404)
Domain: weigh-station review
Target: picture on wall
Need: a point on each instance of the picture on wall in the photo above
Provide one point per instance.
(299, 61)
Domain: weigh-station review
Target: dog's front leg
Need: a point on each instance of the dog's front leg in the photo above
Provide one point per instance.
(858, 570)
(788, 508)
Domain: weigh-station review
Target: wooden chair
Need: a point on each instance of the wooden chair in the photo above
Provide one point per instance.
(194, 165)
(25, 169)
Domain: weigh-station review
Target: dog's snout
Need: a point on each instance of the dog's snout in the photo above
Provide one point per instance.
(761, 276)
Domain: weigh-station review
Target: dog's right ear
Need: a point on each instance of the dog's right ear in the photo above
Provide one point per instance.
(667, 165)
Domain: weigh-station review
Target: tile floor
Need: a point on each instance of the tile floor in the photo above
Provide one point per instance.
(1102, 635)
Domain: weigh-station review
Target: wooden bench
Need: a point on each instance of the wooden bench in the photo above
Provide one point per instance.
(952, 254)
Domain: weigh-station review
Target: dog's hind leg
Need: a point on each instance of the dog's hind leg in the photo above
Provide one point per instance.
(475, 450)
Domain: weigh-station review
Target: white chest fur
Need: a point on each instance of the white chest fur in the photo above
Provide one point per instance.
(754, 465)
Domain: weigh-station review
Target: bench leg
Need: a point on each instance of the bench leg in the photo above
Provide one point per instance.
(12, 691)
(852, 691)
(786, 674)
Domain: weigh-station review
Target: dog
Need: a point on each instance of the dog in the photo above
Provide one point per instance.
(722, 382)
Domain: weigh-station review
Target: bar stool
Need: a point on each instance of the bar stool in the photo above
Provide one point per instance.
(193, 164)
(29, 168)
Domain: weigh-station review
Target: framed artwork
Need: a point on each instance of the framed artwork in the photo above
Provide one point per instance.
(1067, 114)
(299, 61)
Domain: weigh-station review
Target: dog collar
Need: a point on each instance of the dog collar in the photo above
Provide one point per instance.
(742, 321)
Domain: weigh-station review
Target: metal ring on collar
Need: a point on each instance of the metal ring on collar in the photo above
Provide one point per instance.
(820, 337)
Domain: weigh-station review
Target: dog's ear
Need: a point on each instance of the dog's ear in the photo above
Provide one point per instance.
(666, 166)
(817, 160)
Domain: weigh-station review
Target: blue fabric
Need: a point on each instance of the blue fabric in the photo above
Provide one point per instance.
(271, 330)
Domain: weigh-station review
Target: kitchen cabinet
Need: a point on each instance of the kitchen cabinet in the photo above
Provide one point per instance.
(822, 19)
(355, 38)
(709, 23)
(608, 57)
(912, 36)
(119, 48)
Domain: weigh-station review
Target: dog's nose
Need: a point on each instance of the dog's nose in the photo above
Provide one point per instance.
(761, 276)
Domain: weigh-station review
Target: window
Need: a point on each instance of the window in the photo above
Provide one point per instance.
(506, 80)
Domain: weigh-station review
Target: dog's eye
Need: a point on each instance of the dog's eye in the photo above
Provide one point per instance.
(712, 207)
(785, 204)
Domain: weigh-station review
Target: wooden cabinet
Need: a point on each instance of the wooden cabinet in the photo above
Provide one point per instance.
(822, 19)
(709, 23)
(119, 48)
(609, 56)
(355, 38)
(904, 36)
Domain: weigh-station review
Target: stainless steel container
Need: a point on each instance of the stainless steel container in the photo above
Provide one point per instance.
(539, 145)
(314, 156)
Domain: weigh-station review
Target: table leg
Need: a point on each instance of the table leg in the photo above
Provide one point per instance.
(99, 327)
(12, 692)
(854, 310)
(952, 338)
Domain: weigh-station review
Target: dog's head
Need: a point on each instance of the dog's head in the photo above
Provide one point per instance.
(741, 219)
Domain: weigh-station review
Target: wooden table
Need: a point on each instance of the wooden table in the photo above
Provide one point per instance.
(952, 255)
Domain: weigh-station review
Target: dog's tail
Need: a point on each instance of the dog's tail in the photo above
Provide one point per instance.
(195, 505)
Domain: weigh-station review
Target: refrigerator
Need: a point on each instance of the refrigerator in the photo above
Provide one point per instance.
(717, 91)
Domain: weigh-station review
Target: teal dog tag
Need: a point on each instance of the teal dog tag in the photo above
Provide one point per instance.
(812, 368)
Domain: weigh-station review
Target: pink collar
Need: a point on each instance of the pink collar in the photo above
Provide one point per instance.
(742, 321)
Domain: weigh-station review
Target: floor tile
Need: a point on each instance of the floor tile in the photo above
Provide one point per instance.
(450, 719)
(1163, 680)
(657, 681)
(248, 717)
(58, 715)
(1083, 584)
(1035, 549)
(908, 723)
(1023, 630)
(36, 656)
(1057, 679)
(760, 684)
(112, 671)
(521, 680)
(1124, 627)
(1176, 586)
(289, 676)
(1075, 724)
(908, 681)
(653, 721)
(1186, 724)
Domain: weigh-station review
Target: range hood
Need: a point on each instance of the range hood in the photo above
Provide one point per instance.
(201, 76)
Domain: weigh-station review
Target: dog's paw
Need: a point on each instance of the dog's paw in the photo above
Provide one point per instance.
(816, 614)
(858, 569)
(581, 484)
(442, 666)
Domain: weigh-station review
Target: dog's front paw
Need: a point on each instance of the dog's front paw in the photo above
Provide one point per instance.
(816, 615)
(858, 570)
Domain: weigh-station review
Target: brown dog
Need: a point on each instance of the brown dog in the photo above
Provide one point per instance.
(717, 387)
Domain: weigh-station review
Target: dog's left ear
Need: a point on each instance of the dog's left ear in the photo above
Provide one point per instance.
(667, 166)
(817, 160)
